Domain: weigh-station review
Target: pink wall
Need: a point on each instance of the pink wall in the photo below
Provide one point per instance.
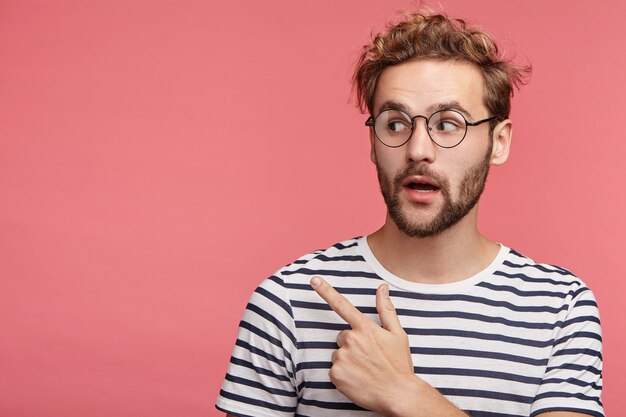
(160, 158)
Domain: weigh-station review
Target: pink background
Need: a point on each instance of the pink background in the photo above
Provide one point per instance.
(158, 159)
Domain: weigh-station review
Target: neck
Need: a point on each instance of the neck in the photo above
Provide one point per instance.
(453, 255)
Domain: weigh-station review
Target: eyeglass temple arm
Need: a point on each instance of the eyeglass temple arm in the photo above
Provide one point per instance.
(480, 121)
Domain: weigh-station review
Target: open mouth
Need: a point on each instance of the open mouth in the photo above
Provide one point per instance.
(421, 187)
(420, 184)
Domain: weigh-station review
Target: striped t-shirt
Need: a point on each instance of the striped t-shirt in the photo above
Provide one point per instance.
(517, 339)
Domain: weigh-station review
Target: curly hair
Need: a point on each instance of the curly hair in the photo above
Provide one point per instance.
(439, 37)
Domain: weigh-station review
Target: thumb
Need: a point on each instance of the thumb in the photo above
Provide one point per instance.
(386, 310)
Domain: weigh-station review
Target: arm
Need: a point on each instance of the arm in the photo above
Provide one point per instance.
(572, 383)
(260, 376)
(373, 365)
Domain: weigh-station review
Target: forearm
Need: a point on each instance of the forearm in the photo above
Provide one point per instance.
(419, 399)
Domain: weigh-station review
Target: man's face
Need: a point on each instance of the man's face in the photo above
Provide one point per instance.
(428, 189)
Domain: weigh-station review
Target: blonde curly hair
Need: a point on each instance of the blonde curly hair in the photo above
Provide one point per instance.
(437, 36)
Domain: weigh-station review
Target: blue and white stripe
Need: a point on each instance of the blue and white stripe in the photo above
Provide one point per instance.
(517, 339)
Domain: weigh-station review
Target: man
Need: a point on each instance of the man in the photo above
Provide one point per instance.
(447, 322)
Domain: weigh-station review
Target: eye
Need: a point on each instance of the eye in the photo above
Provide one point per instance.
(447, 126)
(398, 126)
(447, 122)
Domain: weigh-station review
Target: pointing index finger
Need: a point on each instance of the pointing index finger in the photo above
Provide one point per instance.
(340, 304)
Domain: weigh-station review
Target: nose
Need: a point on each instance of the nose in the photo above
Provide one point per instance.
(420, 146)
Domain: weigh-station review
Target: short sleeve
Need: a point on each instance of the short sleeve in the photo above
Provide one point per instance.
(573, 378)
(260, 380)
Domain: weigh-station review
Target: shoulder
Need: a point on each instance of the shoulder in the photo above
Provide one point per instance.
(342, 256)
(345, 250)
(545, 279)
(338, 260)
(573, 373)
(521, 266)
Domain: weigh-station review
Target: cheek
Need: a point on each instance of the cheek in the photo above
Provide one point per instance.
(387, 159)
(458, 172)
(463, 179)
(454, 185)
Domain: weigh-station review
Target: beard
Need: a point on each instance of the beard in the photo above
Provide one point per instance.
(470, 190)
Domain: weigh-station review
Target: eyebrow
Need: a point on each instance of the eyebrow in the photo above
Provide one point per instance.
(393, 105)
(449, 105)
(445, 105)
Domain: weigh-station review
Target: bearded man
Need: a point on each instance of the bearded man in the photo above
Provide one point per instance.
(426, 316)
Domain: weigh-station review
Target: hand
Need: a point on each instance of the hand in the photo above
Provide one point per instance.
(373, 365)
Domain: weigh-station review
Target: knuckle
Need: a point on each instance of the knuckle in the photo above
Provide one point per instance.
(332, 373)
(349, 338)
(340, 358)
(385, 307)
(340, 338)
(341, 303)
(335, 374)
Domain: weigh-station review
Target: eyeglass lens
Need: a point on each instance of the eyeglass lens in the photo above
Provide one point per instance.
(446, 127)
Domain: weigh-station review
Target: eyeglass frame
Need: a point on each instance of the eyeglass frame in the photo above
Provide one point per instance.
(371, 122)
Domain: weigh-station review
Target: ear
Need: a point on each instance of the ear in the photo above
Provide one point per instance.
(502, 135)
(372, 146)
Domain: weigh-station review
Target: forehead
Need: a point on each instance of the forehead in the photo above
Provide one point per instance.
(422, 85)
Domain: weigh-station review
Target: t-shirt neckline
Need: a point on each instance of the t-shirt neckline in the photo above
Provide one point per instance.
(404, 284)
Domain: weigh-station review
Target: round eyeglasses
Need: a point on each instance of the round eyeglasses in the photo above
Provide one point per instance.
(447, 128)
